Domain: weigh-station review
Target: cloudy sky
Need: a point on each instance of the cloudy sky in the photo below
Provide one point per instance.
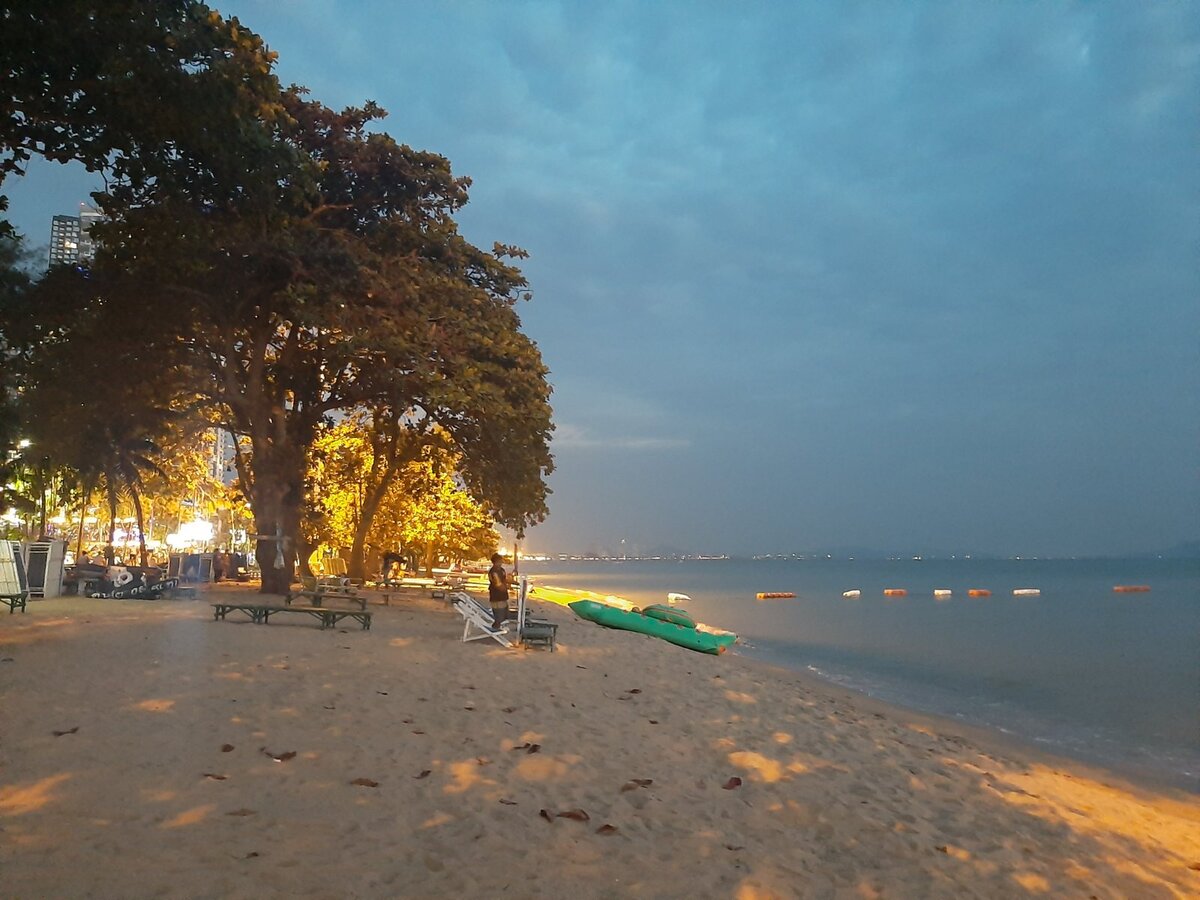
(912, 276)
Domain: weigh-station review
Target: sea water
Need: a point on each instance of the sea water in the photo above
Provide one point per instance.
(1104, 677)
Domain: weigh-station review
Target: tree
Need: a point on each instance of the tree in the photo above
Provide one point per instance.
(370, 298)
(425, 507)
(330, 278)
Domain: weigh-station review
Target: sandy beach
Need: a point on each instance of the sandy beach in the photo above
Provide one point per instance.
(148, 751)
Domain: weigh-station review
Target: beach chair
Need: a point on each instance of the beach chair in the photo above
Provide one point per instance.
(477, 620)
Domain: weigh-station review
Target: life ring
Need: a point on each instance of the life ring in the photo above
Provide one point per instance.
(774, 595)
(895, 592)
(979, 592)
(1131, 588)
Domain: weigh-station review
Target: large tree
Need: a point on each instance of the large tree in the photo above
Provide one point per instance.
(314, 267)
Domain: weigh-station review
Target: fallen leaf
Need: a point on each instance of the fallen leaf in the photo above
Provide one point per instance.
(365, 782)
(734, 847)
(417, 731)
(534, 748)
(580, 667)
(524, 746)
(508, 802)
(251, 854)
(68, 731)
(732, 783)
(226, 748)
(214, 776)
(482, 760)
(7, 659)
(545, 814)
(280, 757)
(384, 693)
(242, 812)
(407, 721)
(424, 773)
(607, 829)
(654, 721)
(634, 691)
(509, 709)
(941, 848)
(577, 814)
(331, 707)
(468, 687)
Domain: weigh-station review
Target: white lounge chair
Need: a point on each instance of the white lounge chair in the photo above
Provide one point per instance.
(477, 621)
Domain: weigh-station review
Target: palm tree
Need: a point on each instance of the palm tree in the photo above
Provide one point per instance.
(114, 453)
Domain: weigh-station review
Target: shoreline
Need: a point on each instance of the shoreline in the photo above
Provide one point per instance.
(1129, 772)
(420, 766)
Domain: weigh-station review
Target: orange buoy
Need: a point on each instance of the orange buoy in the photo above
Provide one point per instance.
(1132, 588)
(979, 592)
(895, 592)
(774, 595)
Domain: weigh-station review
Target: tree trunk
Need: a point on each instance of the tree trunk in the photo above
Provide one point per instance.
(141, 523)
(276, 496)
(110, 552)
(87, 495)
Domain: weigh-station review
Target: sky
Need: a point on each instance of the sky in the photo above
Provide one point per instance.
(917, 277)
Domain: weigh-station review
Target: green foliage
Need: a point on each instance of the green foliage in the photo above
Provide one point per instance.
(268, 259)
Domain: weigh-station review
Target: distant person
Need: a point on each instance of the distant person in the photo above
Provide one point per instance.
(219, 565)
(392, 562)
(498, 590)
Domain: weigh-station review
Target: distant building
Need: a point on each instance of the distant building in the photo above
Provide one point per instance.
(70, 237)
(64, 240)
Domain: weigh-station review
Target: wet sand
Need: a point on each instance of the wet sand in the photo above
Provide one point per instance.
(148, 751)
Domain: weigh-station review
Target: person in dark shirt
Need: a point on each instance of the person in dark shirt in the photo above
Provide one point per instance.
(498, 590)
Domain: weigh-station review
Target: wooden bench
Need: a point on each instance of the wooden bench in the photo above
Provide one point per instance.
(260, 613)
(14, 600)
(316, 591)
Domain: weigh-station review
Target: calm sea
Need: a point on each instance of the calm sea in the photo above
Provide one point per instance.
(1104, 677)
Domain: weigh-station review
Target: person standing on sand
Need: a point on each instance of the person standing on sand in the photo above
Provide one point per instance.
(498, 590)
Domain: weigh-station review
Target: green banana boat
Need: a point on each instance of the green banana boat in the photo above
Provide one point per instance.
(682, 635)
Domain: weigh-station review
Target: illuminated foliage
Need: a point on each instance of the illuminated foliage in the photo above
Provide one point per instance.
(425, 509)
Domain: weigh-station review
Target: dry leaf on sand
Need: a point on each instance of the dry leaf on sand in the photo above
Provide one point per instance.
(365, 782)
(732, 783)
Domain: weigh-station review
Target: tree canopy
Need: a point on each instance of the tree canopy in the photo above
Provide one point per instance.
(272, 274)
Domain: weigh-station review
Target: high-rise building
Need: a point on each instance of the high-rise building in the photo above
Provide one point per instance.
(70, 238)
(64, 240)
